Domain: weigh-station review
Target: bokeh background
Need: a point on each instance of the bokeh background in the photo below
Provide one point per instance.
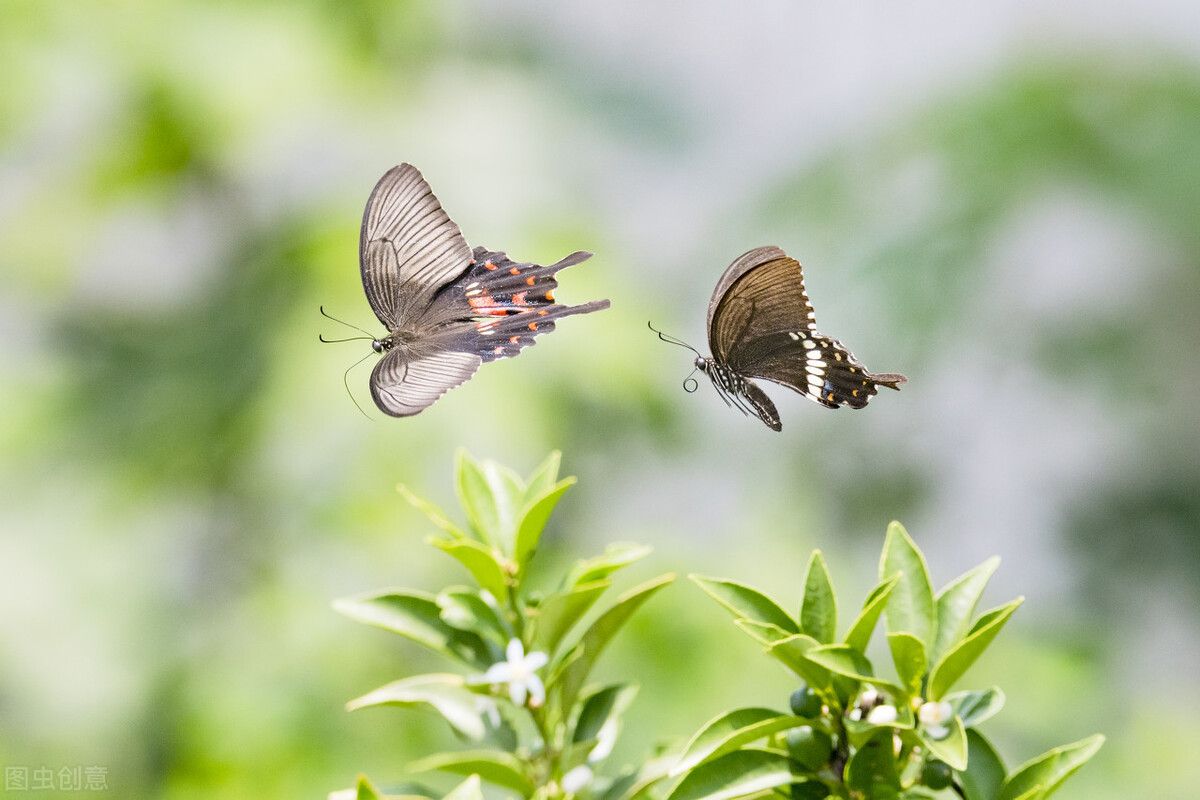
(1001, 200)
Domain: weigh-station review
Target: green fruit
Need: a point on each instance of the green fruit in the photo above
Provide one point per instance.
(805, 703)
(936, 774)
(809, 790)
(810, 746)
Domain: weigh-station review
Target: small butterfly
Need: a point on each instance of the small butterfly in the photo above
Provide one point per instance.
(447, 308)
(761, 325)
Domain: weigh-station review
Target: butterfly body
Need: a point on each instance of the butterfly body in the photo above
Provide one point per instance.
(761, 325)
(447, 308)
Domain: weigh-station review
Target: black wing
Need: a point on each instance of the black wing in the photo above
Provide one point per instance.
(409, 247)
(818, 367)
(499, 306)
(403, 384)
(762, 292)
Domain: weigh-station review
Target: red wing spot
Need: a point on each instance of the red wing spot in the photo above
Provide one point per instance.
(489, 265)
(533, 326)
(519, 299)
(529, 281)
(514, 271)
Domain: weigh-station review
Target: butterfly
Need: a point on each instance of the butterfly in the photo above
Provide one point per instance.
(447, 308)
(761, 325)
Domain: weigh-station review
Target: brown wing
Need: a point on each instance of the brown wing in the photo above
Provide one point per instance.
(409, 247)
(762, 292)
(820, 368)
(403, 384)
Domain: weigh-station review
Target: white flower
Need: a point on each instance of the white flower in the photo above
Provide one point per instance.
(882, 715)
(606, 739)
(934, 716)
(519, 672)
(576, 779)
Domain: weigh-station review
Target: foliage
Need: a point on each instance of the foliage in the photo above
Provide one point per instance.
(520, 696)
(853, 732)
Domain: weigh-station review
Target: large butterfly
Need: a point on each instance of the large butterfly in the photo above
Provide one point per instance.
(447, 308)
(761, 325)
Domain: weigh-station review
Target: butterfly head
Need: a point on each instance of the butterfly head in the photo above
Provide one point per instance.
(701, 363)
(377, 345)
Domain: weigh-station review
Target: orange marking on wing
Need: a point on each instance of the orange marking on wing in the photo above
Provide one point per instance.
(533, 326)
(489, 265)
(514, 339)
(519, 299)
(529, 281)
(499, 349)
(543, 313)
(514, 271)
(550, 296)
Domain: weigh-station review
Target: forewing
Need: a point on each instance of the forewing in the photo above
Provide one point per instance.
(818, 367)
(403, 385)
(762, 292)
(409, 247)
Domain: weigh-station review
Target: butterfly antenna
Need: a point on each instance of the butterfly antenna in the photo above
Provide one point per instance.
(690, 384)
(346, 383)
(326, 314)
(671, 339)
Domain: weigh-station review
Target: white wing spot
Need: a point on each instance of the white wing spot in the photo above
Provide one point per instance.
(795, 336)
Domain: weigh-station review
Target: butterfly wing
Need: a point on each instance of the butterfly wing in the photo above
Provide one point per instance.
(409, 247)
(761, 292)
(816, 366)
(504, 304)
(403, 384)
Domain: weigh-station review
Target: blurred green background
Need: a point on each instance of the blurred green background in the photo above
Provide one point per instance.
(1001, 200)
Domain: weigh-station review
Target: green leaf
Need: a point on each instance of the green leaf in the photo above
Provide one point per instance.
(818, 611)
(416, 616)
(500, 769)
(1050, 769)
(599, 634)
(963, 655)
(434, 514)
(746, 603)
(467, 790)
(483, 562)
(737, 774)
(477, 498)
(953, 748)
(533, 518)
(974, 707)
(466, 610)
(561, 611)
(985, 771)
(616, 556)
(859, 635)
(544, 476)
(445, 693)
(956, 606)
(872, 768)
(366, 791)
(844, 660)
(908, 654)
(910, 608)
(599, 707)
(729, 732)
(793, 652)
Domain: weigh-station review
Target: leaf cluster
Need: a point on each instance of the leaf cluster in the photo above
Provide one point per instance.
(546, 739)
(855, 730)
